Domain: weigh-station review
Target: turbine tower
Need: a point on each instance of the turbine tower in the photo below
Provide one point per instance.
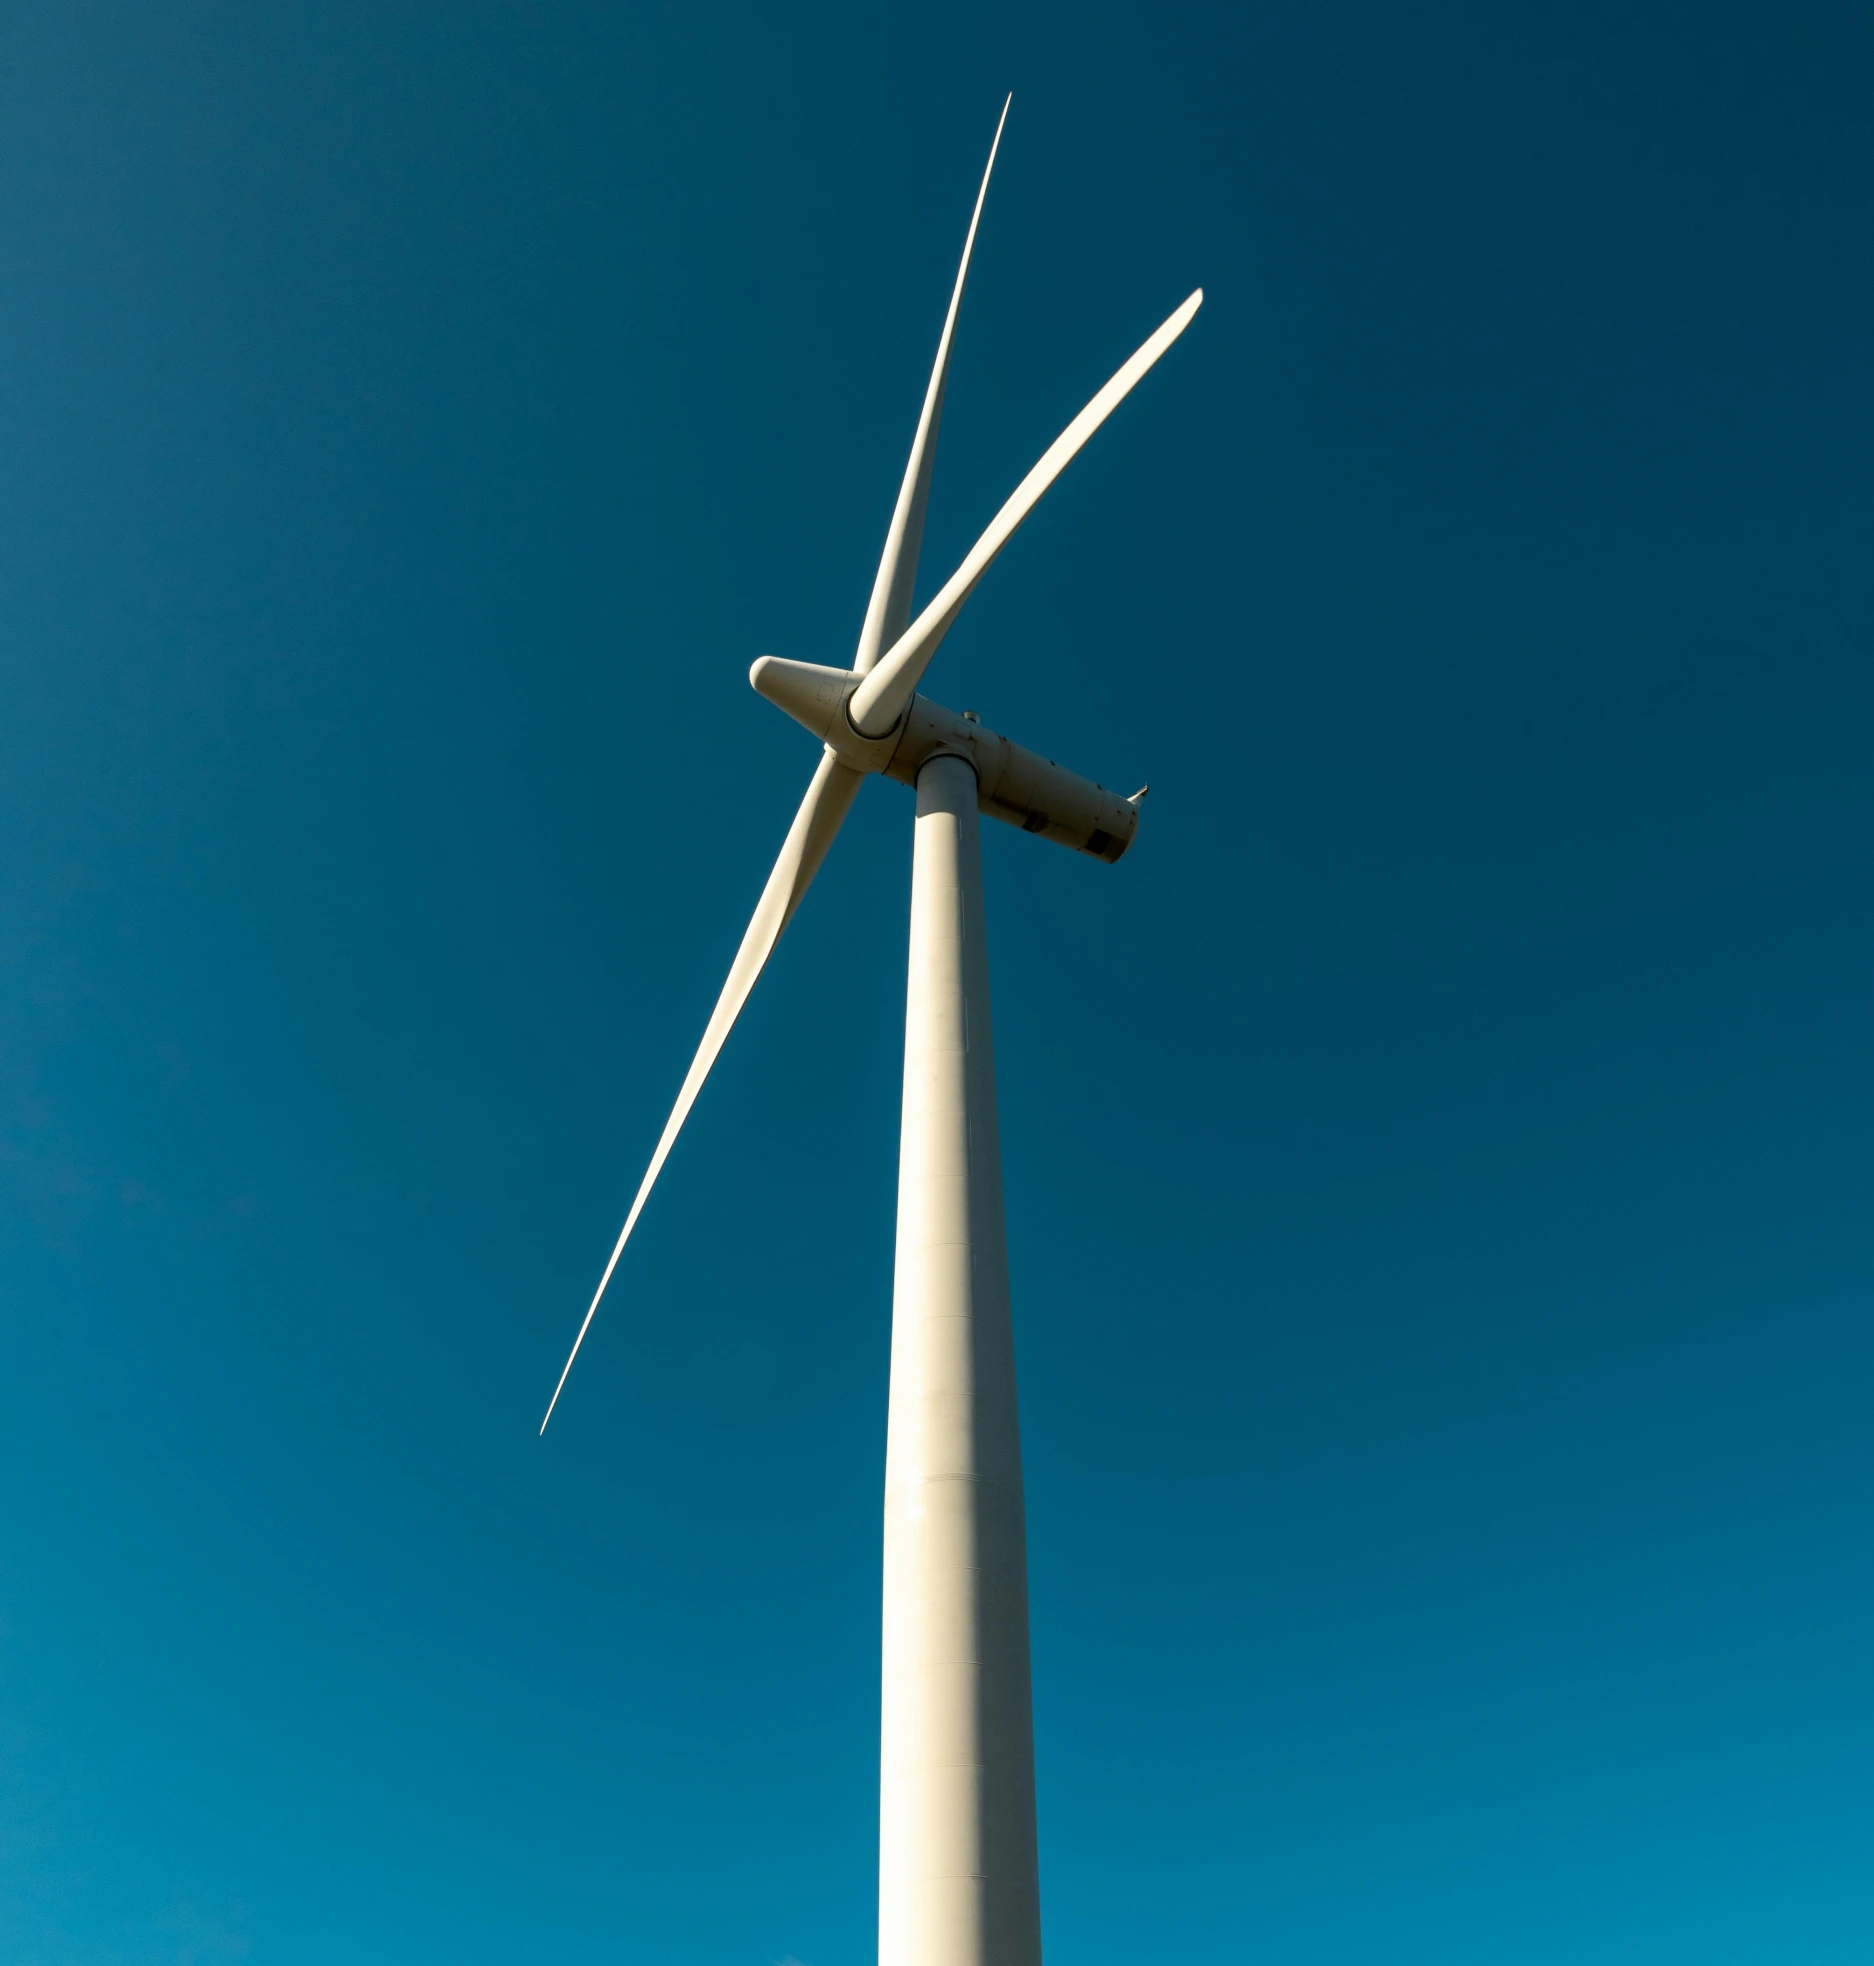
(957, 1869)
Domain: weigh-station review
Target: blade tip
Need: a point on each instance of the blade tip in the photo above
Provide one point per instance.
(995, 142)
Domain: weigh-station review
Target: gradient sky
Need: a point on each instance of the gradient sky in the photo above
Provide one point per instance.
(1440, 1159)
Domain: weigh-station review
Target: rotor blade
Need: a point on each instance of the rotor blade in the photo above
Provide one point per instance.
(829, 799)
(890, 606)
(879, 701)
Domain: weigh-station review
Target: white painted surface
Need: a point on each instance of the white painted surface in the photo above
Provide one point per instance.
(890, 606)
(1017, 786)
(1022, 789)
(880, 699)
(957, 1871)
(830, 793)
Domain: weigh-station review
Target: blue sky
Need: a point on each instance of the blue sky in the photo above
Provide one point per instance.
(1439, 1157)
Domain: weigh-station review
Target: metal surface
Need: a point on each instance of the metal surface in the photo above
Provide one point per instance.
(957, 1867)
(1017, 786)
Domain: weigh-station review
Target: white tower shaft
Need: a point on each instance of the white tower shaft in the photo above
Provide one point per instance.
(958, 1881)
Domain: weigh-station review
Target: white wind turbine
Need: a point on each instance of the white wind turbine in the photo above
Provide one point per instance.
(957, 1869)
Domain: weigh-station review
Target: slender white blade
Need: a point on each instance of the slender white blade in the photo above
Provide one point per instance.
(829, 799)
(890, 606)
(879, 701)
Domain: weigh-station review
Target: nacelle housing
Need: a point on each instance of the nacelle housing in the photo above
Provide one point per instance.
(1013, 784)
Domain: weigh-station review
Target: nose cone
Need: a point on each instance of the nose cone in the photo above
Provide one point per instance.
(810, 694)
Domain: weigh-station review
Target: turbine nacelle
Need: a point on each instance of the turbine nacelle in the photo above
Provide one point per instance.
(1013, 784)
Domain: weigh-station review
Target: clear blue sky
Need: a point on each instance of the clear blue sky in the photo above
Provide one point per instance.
(1440, 1157)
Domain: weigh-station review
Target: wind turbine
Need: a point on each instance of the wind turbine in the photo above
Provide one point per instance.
(957, 1869)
